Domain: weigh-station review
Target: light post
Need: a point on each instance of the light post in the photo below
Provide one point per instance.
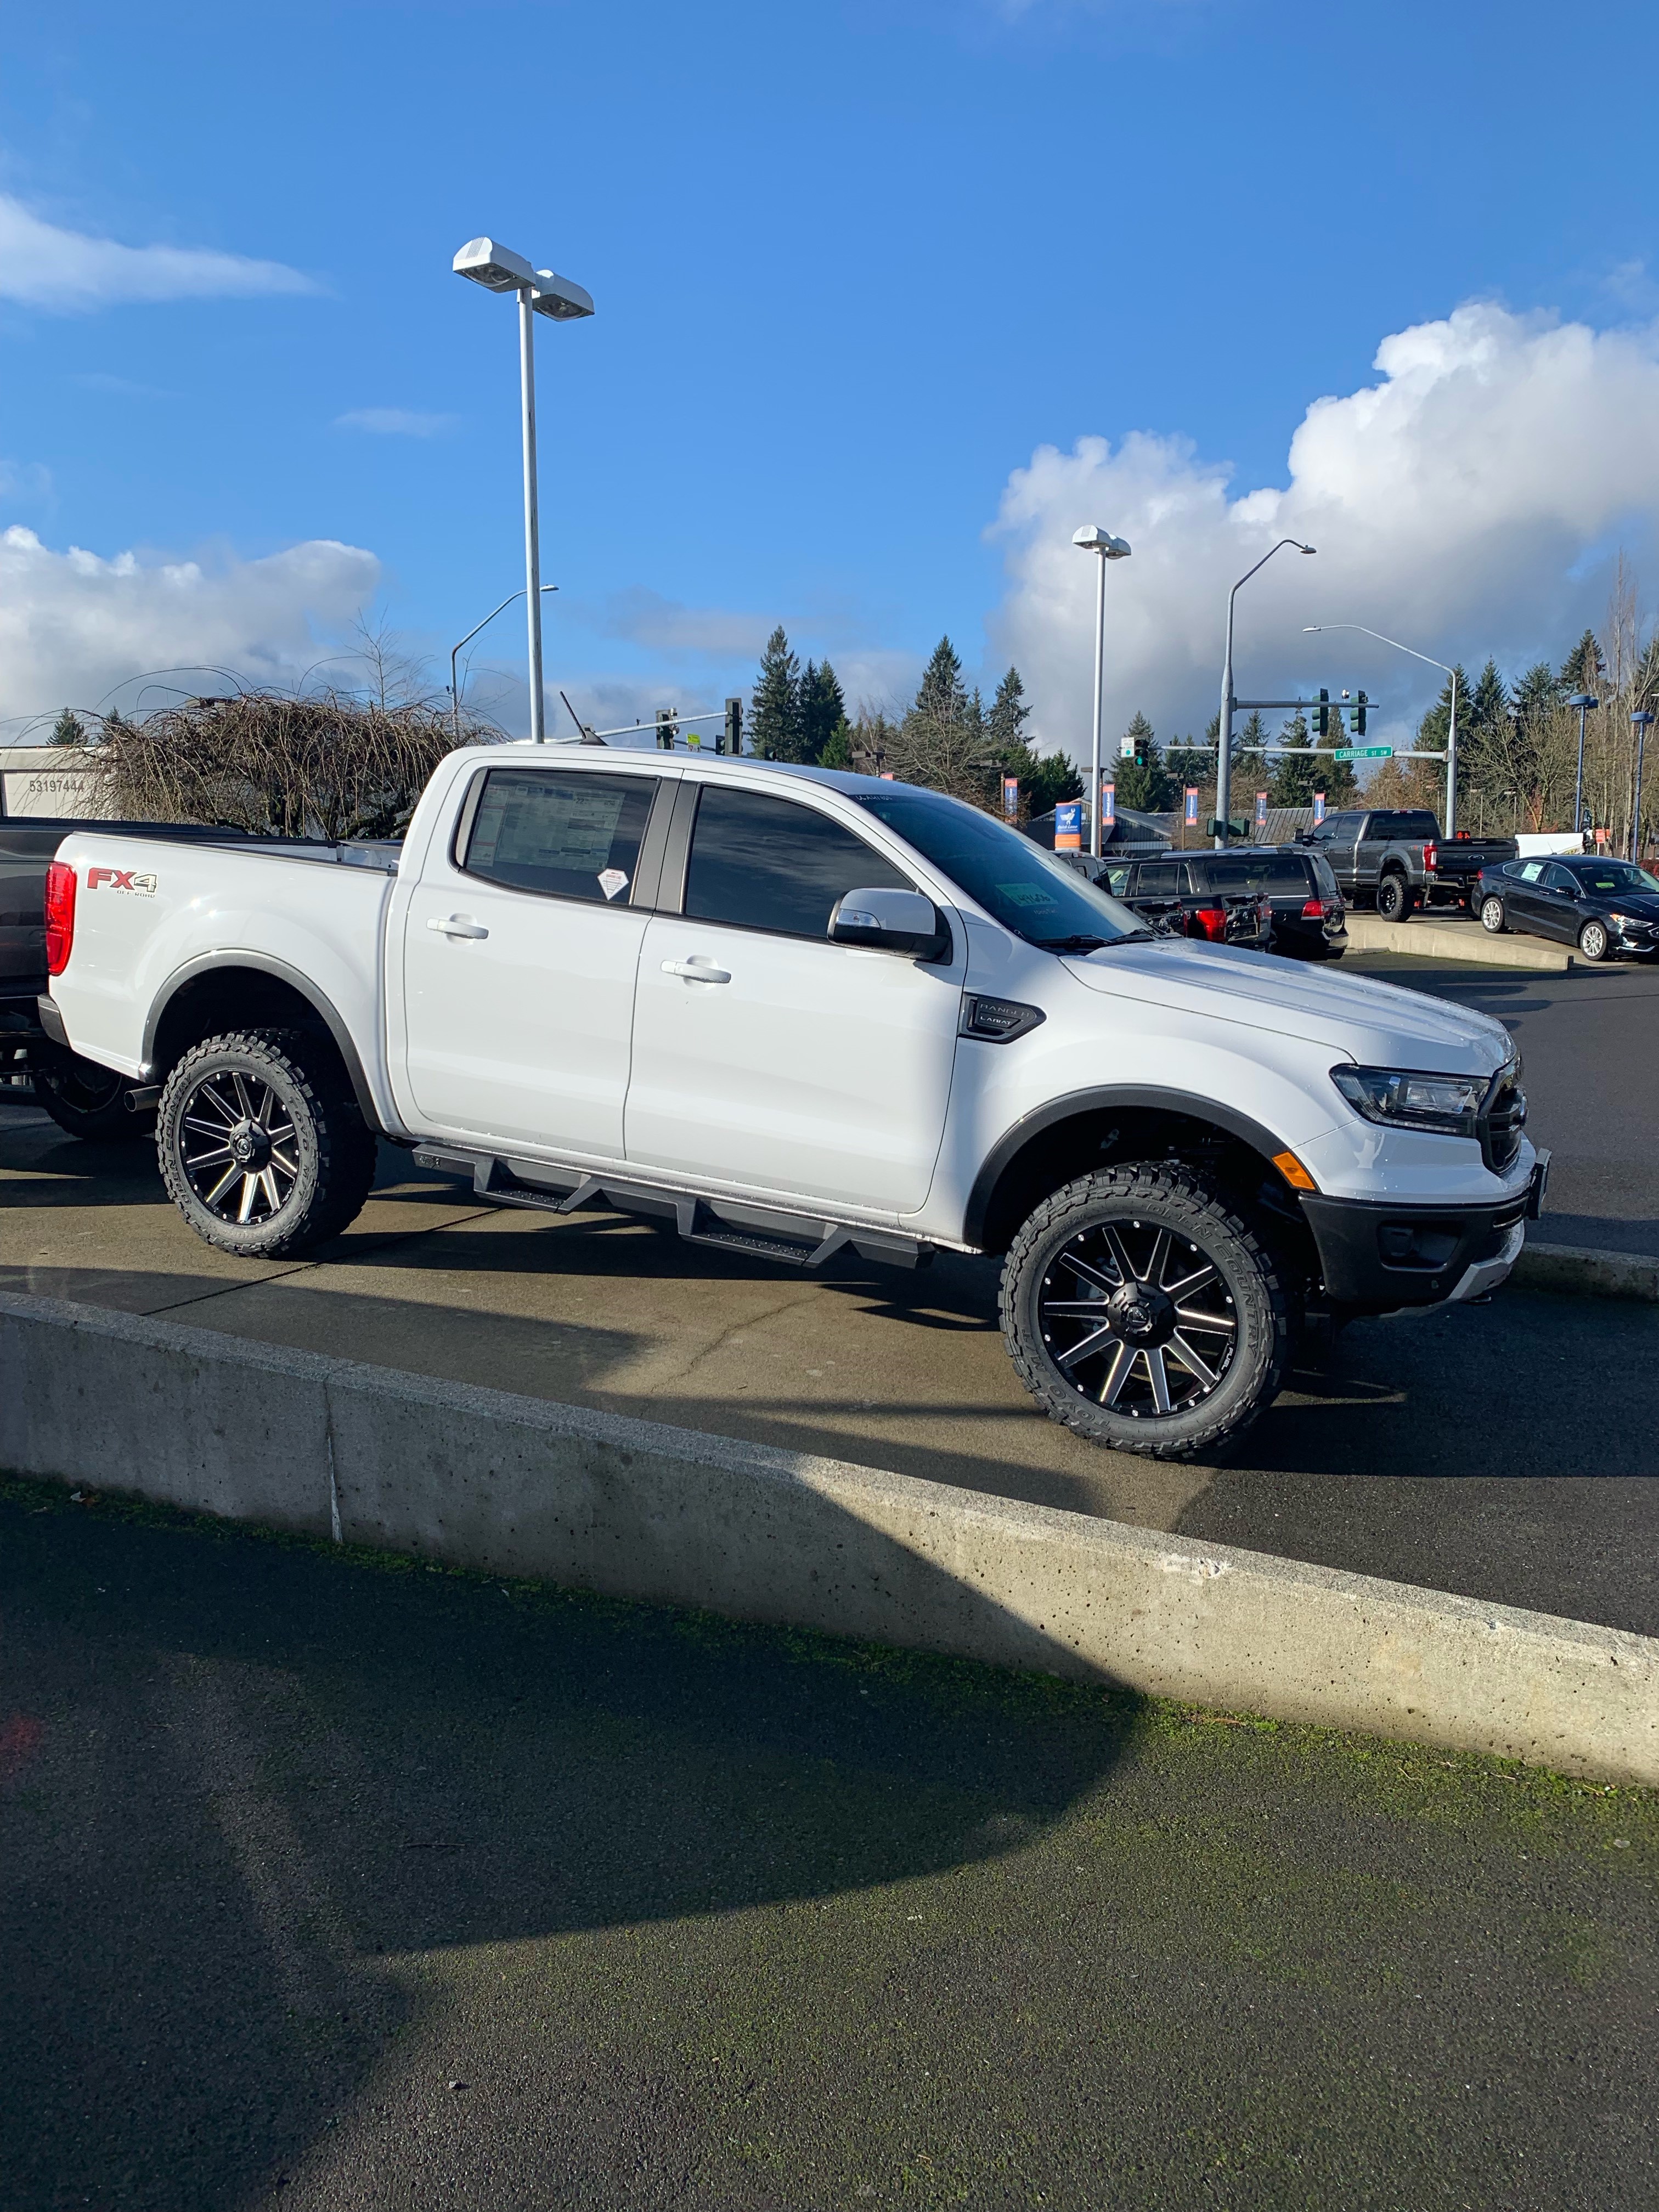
(1314, 630)
(1583, 701)
(454, 654)
(498, 269)
(1640, 722)
(1223, 770)
(1101, 543)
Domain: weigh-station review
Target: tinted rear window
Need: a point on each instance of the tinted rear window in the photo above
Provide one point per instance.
(1272, 872)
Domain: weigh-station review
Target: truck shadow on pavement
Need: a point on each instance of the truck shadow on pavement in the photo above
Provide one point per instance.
(244, 1785)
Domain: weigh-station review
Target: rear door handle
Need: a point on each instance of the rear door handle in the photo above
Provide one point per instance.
(457, 925)
(697, 971)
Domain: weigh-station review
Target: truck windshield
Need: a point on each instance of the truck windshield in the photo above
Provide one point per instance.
(1017, 883)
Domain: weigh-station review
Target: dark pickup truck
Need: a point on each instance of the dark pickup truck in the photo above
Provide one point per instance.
(86, 1100)
(1395, 859)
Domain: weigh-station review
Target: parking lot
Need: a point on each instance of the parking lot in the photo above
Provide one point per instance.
(1506, 1452)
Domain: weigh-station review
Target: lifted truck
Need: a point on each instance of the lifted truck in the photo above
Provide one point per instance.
(1397, 861)
(788, 1012)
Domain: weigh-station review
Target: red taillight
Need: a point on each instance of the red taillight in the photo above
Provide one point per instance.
(1313, 910)
(1431, 858)
(60, 916)
(1211, 922)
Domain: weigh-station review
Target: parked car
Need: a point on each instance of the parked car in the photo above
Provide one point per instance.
(792, 1012)
(1309, 921)
(1176, 894)
(1395, 859)
(1603, 907)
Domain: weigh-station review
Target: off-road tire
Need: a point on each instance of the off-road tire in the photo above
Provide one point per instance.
(1594, 940)
(1393, 899)
(332, 1152)
(88, 1101)
(1492, 918)
(1147, 1198)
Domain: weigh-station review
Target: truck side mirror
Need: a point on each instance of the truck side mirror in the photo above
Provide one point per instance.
(889, 922)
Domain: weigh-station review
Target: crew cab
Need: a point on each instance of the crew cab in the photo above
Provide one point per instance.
(1396, 860)
(790, 1011)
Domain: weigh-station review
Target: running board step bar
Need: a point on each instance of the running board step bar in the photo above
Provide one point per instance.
(759, 1233)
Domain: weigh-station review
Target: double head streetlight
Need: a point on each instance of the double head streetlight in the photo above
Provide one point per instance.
(1584, 700)
(1105, 547)
(1224, 769)
(498, 269)
(1429, 661)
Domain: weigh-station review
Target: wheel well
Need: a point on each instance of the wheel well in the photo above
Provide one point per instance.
(235, 998)
(1105, 1136)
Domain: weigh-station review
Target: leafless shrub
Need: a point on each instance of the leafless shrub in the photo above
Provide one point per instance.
(325, 766)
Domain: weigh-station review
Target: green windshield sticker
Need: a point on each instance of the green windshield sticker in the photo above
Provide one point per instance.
(1026, 895)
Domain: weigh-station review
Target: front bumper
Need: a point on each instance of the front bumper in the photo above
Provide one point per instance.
(1377, 1256)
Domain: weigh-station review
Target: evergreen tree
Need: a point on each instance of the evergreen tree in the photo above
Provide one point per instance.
(941, 693)
(1183, 766)
(820, 708)
(1584, 669)
(1294, 775)
(68, 729)
(1006, 723)
(1537, 696)
(1249, 764)
(942, 742)
(838, 746)
(775, 703)
(1053, 778)
(1146, 790)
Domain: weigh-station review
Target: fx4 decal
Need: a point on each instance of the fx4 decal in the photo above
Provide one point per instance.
(121, 879)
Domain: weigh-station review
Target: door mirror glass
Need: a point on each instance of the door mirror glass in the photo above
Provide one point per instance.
(888, 922)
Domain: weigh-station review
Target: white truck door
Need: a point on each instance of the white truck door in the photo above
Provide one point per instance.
(765, 1056)
(520, 952)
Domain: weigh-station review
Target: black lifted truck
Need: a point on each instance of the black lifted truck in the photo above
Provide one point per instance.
(1395, 859)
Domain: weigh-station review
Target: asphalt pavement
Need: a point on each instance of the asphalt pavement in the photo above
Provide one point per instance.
(336, 1885)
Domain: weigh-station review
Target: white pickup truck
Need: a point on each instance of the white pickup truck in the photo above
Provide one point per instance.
(790, 1011)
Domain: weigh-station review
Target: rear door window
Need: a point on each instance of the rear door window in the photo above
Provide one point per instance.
(567, 836)
(1277, 874)
(1416, 829)
(1157, 880)
(761, 863)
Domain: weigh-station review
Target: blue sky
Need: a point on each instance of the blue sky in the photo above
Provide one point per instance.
(854, 266)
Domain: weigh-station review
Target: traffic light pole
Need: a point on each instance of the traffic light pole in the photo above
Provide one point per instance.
(1224, 733)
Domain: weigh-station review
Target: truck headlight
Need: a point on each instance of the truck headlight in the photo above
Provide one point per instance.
(1412, 1098)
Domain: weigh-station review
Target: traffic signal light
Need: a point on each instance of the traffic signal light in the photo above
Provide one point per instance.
(1140, 752)
(730, 738)
(1360, 716)
(667, 729)
(1322, 716)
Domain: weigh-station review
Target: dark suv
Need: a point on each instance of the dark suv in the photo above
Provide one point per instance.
(1178, 893)
(1309, 921)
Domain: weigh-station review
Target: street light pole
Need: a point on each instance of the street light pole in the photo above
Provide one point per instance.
(1640, 722)
(1314, 630)
(454, 652)
(498, 269)
(1101, 543)
(1224, 771)
(1583, 701)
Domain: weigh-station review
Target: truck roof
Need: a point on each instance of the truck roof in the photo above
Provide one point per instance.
(572, 749)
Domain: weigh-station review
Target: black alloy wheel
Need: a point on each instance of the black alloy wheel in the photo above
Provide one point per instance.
(1394, 901)
(1141, 1310)
(88, 1101)
(239, 1148)
(261, 1145)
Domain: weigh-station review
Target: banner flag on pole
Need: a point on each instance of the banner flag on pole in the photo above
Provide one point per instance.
(1108, 803)
(1011, 796)
(1192, 804)
(1319, 806)
(1261, 809)
(1068, 826)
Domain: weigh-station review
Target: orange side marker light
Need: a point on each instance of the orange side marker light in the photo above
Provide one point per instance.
(1293, 1171)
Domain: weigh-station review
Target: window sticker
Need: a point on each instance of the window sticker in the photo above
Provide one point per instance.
(613, 882)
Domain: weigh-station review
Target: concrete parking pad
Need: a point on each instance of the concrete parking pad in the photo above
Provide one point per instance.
(1506, 1452)
(339, 1887)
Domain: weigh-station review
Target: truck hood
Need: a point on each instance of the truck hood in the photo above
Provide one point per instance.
(1353, 1017)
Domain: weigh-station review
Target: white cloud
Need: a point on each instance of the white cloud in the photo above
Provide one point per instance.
(44, 265)
(666, 626)
(393, 422)
(1462, 504)
(74, 626)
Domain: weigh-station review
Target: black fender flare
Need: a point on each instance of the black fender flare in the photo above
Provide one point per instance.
(267, 964)
(1108, 1099)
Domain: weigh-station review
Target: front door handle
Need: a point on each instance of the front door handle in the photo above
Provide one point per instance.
(457, 925)
(697, 971)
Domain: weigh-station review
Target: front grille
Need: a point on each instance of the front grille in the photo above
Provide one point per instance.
(1502, 1120)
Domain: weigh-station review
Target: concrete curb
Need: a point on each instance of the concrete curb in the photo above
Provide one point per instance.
(516, 1485)
(1586, 1271)
(1469, 942)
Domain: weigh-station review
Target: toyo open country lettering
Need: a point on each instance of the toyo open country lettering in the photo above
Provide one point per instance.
(790, 1011)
